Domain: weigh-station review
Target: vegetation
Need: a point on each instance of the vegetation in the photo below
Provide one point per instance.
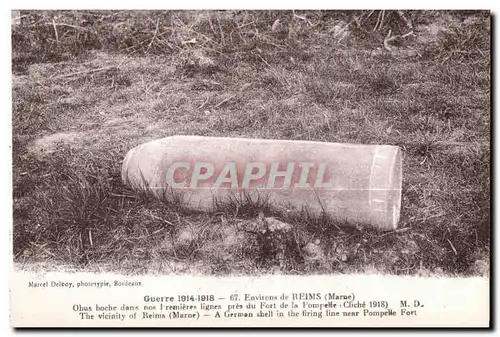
(90, 85)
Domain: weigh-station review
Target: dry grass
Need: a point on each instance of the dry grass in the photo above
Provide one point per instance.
(88, 86)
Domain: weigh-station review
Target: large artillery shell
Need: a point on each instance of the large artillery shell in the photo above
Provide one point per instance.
(357, 184)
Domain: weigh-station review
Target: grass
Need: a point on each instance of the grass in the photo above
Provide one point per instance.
(90, 85)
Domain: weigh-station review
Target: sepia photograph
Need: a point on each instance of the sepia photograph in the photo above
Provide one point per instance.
(252, 142)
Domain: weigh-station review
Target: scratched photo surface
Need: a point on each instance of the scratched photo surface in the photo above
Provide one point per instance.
(252, 142)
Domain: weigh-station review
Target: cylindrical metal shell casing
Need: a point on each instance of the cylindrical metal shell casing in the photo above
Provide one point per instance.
(357, 184)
